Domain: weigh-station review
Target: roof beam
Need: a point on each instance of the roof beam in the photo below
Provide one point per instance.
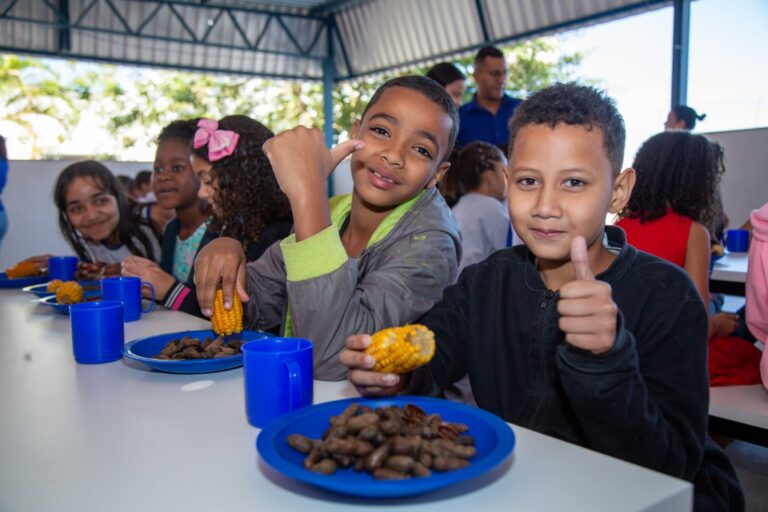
(681, 30)
(481, 18)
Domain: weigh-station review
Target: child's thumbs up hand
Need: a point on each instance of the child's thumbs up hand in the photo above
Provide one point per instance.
(586, 307)
(301, 161)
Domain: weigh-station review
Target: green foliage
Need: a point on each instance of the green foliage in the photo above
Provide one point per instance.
(134, 111)
(30, 89)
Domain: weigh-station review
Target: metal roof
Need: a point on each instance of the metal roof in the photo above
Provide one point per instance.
(287, 38)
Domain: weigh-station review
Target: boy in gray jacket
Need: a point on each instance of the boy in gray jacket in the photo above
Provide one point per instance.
(358, 263)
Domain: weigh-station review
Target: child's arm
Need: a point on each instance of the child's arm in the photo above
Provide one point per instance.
(644, 399)
(302, 163)
(330, 297)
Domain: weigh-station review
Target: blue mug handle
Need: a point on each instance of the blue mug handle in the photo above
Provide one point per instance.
(152, 300)
(294, 384)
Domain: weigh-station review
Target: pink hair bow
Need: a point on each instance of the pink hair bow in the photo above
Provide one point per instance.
(221, 143)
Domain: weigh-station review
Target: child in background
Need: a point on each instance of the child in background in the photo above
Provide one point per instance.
(575, 334)
(99, 223)
(175, 185)
(245, 199)
(481, 174)
(757, 284)
(673, 203)
(361, 262)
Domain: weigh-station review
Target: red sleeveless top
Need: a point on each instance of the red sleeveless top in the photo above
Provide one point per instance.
(665, 237)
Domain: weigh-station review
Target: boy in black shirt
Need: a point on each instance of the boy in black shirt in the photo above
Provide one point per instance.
(576, 334)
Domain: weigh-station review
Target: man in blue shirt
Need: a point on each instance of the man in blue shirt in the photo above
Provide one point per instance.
(486, 116)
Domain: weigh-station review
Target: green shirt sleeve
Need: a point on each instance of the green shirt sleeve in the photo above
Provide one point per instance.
(318, 255)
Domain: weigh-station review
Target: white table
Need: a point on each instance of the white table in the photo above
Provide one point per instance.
(740, 412)
(117, 437)
(729, 274)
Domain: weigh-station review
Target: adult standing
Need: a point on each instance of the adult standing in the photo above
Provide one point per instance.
(486, 116)
(451, 78)
(682, 117)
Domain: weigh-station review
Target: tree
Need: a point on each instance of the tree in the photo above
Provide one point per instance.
(30, 89)
(135, 108)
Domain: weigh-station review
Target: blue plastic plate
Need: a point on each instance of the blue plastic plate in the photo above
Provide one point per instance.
(494, 441)
(21, 282)
(50, 300)
(41, 290)
(143, 349)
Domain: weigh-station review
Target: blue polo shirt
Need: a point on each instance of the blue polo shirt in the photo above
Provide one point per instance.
(476, 123)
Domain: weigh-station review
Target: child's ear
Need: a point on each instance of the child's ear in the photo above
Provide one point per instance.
(622, 190)
(355, 129)
(441, 170)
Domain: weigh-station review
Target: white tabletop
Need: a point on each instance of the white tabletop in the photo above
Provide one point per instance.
(744, 404)
(732, 267)
(120, 438)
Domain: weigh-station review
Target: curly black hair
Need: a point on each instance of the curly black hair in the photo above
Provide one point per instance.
(679, 171)
(183, 129)
(575, 105)
(432, 91)
(246, 190)
(128, 227)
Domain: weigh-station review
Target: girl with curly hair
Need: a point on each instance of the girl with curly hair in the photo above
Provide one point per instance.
(237, 181)
(676, 205)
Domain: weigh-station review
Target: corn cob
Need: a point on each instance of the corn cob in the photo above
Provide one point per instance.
(401, 349)
(69, 292)
(22, 269)
(53, 286)
(227, 322)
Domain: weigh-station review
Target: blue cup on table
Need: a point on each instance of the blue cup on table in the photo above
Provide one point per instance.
(737, 240)
(62, 267)
(98, 333)
(278, 378)
(128, 291)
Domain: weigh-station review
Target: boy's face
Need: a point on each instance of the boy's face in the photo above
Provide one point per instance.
(561, 185)
(406, 139)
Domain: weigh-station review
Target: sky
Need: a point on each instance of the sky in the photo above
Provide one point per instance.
(631, 58)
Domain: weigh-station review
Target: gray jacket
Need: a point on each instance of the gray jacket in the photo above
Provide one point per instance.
(393, 282)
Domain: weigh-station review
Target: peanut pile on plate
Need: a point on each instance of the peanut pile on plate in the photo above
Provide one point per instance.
(192, 348)
(391, 443)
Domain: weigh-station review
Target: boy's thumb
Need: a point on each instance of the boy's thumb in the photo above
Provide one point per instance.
(344, 149)
(580, 259)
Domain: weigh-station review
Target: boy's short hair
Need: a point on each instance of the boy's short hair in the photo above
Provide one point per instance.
(575, 105)
(432, 91)
(488, 51)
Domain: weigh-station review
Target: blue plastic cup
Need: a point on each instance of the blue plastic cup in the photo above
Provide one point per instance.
(62, 267)
(98, 334)
(128, 291)
(278, 378)
(737, 240)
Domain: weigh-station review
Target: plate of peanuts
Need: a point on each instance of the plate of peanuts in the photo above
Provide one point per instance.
(385, 447)
(191, 351)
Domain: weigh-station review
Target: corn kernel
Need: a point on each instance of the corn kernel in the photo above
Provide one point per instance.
(401, 349)
(227, 322)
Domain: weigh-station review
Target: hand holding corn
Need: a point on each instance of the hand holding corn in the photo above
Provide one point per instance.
(227, 321)
(378, 364)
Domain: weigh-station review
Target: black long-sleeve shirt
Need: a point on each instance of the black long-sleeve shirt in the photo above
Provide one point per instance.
(645, 401)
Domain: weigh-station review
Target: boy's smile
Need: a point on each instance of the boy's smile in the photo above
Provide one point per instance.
(561, 185)
(406, 138)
